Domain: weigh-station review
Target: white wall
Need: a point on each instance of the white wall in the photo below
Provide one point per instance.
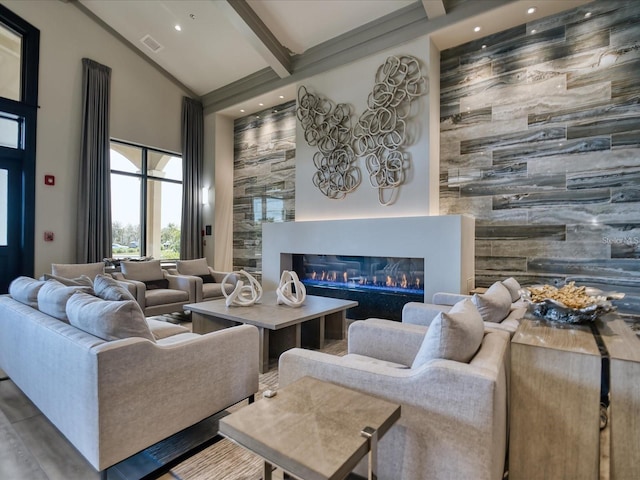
(351, 84)
(145, 109)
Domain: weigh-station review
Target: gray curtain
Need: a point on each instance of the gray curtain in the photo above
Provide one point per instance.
(93, 239)
(192, 161)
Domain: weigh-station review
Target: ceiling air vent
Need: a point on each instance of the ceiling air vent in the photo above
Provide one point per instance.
(151, 43)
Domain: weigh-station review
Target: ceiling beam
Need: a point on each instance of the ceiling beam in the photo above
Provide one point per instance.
(434, 8)
(242, 16)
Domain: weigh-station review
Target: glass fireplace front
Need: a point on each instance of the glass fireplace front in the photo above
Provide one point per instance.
(380, 285)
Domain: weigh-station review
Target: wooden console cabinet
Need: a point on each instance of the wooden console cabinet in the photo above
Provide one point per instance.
(623, 346)
(554, 403)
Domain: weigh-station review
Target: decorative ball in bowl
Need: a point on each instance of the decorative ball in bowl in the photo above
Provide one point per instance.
(569, 304)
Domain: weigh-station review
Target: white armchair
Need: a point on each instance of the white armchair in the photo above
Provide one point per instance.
(454, 414)
(208, 281)
(156, 291)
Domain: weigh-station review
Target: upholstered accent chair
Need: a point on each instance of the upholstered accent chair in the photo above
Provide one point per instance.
(81, 274)
(208, 281)
(500, 306)
(156, 291)
(452, 390)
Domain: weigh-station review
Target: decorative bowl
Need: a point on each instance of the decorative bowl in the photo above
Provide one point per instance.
(580, 305)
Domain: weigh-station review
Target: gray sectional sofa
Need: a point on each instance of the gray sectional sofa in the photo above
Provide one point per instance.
(113, 397)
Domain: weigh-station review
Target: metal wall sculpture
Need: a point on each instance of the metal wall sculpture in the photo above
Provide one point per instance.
(381, 129)
(328, 128)
(377, 136)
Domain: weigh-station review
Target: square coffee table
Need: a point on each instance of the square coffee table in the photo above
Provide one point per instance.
(281, 327)
(312, 429)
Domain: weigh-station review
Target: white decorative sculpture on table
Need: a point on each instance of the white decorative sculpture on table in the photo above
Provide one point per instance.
(285, 291)
(242, 295)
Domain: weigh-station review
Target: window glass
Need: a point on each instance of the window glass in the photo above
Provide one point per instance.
(4, 205)
(146, 199)
(164, 165)
(126, 158)
(10, 131)
(164, 215)
(125, 216)
(10, 63)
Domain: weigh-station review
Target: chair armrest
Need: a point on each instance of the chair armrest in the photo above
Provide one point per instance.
(442, 298)
(140, 288)
(171, 271)
(417, 313)
(186, 283)
(385, 340)
(219, 276)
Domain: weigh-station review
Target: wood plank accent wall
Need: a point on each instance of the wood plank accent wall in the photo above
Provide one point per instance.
(540, 141)
(264, 180)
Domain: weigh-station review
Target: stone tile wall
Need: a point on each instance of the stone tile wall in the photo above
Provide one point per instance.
(264, 180)
(540, 141)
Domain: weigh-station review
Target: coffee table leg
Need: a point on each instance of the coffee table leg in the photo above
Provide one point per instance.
(372, 435)
(264, 350)
(335, 325)
(266, 472)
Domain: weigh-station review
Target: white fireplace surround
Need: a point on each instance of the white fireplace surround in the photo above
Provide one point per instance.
(446, 243)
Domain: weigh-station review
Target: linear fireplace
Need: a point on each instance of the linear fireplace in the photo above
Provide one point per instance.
(380, 285)
(441, 247)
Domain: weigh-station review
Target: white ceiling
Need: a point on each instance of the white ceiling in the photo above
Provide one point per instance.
(217, 48)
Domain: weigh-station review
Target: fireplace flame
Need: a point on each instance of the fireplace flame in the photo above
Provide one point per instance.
(404, 283)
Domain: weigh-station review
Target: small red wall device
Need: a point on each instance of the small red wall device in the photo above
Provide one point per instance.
(49, 180)
(48, 236)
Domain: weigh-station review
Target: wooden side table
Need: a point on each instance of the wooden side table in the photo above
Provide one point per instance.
(313, 429)
(554, 403)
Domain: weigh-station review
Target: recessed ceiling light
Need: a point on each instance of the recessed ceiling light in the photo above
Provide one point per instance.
(261, 104)
(587, 15)
(281, 96)
(484, 46)
(531, 10)
(476, 29)
(533, 31)
(242, 110)
(178, 28)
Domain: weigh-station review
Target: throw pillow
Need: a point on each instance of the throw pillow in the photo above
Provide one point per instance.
(109, 320)
(514, 288)
(81, 281)
(156, 284)
(455, 335)
(108, 288)
(74, 270)
(494, 305)
(53, 297)
(208, 278)
(142, 271)
(25, 290)
(194, 267)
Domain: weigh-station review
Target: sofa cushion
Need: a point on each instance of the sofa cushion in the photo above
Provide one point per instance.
(514, 288)
(81, 281)
(208, 278)
(214, 290)
(161, 329)
(25, 290)
(157, 297)
(53, 297)
(108, 288)
(142, 271)
(494, 304)
(106, 319)
(195, 267)
(454, 335)
(74, 270)
(160, 284)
